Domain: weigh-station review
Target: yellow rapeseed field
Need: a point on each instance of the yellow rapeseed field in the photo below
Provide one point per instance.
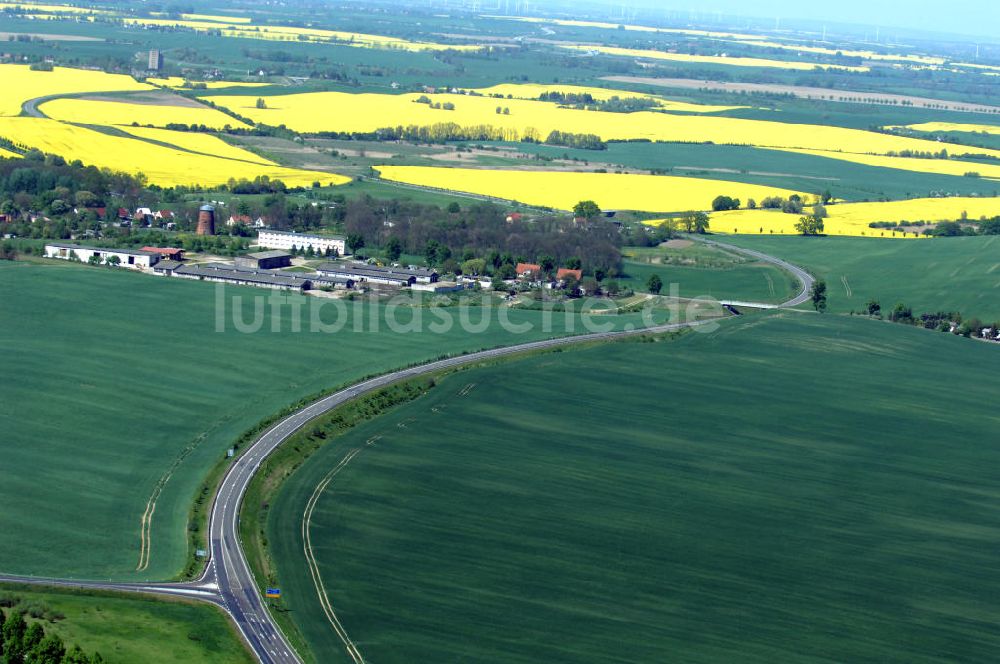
(51, 8)
(217, 19)
(347, 112)
(161, 165)
(89, 111)
(853, 218)
(197, 142)
(820, 50)
(7, 154)
(562, 190)
(177, 82)
(938, 166)
(288, 33)
(787, 43)
(534, 91)
(950, 126)
(712, 59)
(625, 26)
(21, 84)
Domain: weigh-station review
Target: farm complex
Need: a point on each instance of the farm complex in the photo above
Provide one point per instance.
(398, 331)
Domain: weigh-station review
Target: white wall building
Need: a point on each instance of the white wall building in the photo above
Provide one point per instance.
(126, 257)
(285, 241)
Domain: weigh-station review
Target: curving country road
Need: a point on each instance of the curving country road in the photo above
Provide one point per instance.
(805, 279)
(227, 580)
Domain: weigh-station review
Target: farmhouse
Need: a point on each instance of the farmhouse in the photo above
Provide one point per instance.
(286, 241)
(527, 269)
(264, 260)
(125, 257)
(245, 220)
(566, 272)
(387, 276)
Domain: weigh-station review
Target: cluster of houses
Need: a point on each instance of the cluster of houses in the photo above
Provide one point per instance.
(533, 275)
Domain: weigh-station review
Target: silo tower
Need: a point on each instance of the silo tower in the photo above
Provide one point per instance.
(206, 220)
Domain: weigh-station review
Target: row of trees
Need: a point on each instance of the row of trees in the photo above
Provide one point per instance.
(22, 642)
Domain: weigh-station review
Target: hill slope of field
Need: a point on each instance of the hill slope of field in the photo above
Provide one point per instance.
(722, 497)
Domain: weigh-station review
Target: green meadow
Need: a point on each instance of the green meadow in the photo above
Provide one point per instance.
(701, 271)
(120, 382)
(959, 274)
(173, 631)
(791, 487)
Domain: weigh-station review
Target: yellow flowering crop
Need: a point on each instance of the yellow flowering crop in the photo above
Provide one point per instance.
(197, 142)
(162, 165)
(562, 189)
(289, 33)
(712, 59)
(919, 165)
(51, 9)
(89, 111)
(7, 154)
(534, 91)
(20, 84)
(866, 55)
(363, 113)
(216, 18)
(625, 26)
(853, 218)
(950, 126)
(178, 82)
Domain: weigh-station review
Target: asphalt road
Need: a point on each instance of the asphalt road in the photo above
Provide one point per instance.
(227, 580)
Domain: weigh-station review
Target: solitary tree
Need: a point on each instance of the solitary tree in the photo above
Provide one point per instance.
(654, 284)
(586, 209)
(810, 225)
(873, 307)
(393, 249)
(700, 222)
(261, 103)
(354, 241)
(818, 296)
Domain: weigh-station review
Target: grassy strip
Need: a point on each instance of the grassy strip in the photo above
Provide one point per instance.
(130, 627)
(325, 429)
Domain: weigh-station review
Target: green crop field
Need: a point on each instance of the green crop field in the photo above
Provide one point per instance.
(173, 632)
(123, 382)
(700, 271)
(960, 274)
(792, 487)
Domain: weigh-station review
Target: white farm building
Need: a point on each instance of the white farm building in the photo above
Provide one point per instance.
(285, 241)
(126, 257)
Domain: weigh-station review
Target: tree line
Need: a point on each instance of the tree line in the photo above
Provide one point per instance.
(476, 231)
